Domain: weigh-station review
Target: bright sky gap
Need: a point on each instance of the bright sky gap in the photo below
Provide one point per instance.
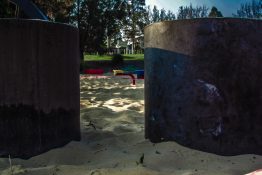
(227, 7)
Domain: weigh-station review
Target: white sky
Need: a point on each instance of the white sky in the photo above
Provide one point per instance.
(227, 7)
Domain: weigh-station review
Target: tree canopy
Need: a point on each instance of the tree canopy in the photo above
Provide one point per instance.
(56, 10)
(134, 21)
(251, 9)
(157, 15)
(189, 12)
(215, 13)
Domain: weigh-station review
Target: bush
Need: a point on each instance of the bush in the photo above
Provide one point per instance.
(117, 60)
(82, 66)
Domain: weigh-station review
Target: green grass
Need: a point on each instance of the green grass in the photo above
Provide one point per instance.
(134, 57)
(108, 57)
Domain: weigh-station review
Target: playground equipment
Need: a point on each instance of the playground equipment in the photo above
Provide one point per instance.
(94, 71)
(39, 84)
(122, 73)
(140, 74)
(203, 84)
(99, 72)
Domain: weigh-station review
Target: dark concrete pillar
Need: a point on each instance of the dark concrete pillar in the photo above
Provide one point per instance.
(39, 86)
(203, 84)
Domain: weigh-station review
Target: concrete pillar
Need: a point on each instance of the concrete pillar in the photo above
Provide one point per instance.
(39, 86)
(203, 85)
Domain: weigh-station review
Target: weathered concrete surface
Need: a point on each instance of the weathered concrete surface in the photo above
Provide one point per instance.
(203, 84)
(39, 86)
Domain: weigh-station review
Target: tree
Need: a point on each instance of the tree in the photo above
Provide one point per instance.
(134, 22)
(170, 16)
(161, 15)
(56, 10)
(91, 26)
(214, 13)
(182, 13)
(189, 12)
(155, 14)
(251, 9)
(148, 15)
(99, 22)
(113, 13)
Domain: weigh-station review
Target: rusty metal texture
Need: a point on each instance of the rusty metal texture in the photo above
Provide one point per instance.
(203, 84)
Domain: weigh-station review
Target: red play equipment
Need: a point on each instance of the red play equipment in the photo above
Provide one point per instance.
(127, 74)
(139, 73)
(94, 71)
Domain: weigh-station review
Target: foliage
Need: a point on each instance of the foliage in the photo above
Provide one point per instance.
(156, 15)
(147, 15)
(214, 13)
(113, 13)
(134, 22)
(4, 9)
(56, 10)
(189, 12)
(251, 9)
(91, 26)
(98, 21)
(117, 59)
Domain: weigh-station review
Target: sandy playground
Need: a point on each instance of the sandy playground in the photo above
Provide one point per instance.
(112, 125)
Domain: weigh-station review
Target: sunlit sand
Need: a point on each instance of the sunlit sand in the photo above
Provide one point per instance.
(112, 124)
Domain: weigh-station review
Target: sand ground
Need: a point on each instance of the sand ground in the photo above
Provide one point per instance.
(112, 125)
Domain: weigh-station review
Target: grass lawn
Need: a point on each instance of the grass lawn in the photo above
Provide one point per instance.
(108, 57)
